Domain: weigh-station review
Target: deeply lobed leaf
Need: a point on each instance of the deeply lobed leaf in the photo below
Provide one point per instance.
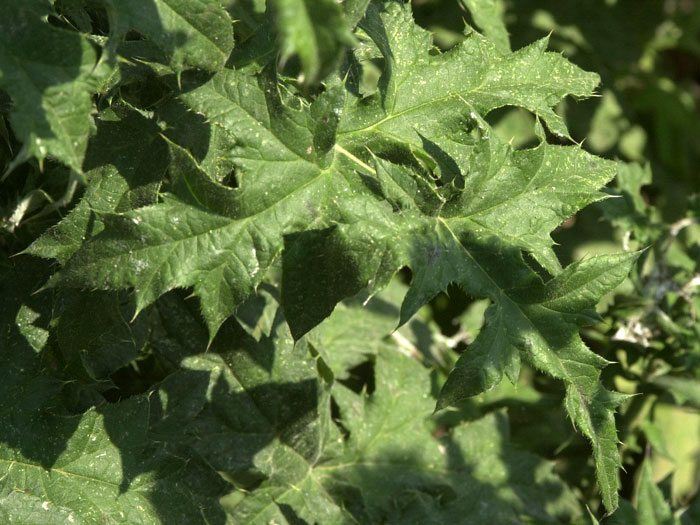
(346, 190)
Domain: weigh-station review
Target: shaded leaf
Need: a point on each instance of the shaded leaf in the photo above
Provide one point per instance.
(49, 74)
(125, 163)
(315, 31)
(392, 468)
(191, 33)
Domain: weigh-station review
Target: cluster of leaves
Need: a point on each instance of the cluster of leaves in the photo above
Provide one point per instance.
(654, 335)
(224, 247)
(648, 56)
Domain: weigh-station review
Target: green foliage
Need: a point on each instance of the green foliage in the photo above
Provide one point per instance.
(271, 261)
(49, 73)
(315, 31)
(188, 33)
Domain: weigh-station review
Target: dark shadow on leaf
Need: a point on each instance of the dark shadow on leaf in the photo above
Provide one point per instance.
(291, 515)
(30, 43)
(449, 170)
(32, 419)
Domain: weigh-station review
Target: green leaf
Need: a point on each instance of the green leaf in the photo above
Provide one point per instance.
(93, 332)
(629, 211)
(488, 16)
(422, 93)
(680, 427)
(355, 11)
(315, 31)
(99, 466)
(211, 146)
(288, 276)
(652, 508)
(234, 235)
(107, 471)
(542, 323)
(451, 235)
(553, 346)
(271, 137)
(344, 219)
(363, 326)
(246, 402)
(115, 181)
(684, 390)
(624, 515)
(355, 330)
(490, 356)
(392, 468)
(656, 438)
(49, 73)
(190, 33)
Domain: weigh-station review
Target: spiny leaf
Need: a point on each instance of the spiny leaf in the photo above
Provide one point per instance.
(99, 466)
(488, 16)
(437, 192)
(423, 93)
(392, 467)
(116, 181)
(85, 484)
(219, 240)
(246, 404)
(540, 319)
